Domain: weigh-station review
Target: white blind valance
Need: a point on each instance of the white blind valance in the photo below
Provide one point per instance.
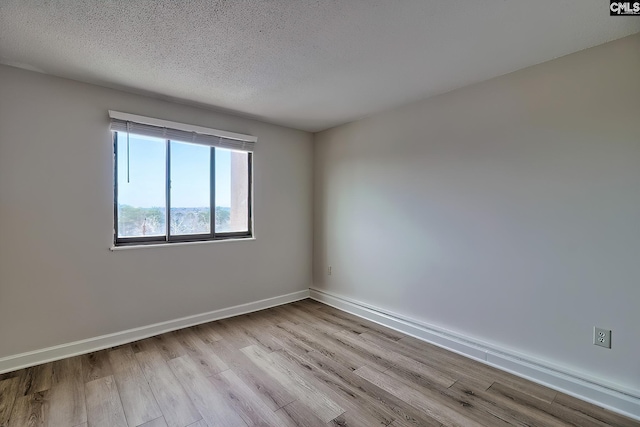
(147, 126)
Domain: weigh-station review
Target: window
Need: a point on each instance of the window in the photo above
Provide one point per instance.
(179, 183)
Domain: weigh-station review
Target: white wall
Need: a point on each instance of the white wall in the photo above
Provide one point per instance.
(59, 282)
(507, 211)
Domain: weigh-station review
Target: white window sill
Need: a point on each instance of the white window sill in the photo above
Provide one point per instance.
(168, 245)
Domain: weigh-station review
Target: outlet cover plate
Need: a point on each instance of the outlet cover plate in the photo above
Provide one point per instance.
(602, 337)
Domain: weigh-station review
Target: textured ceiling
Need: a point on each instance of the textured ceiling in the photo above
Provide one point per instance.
(305, 64)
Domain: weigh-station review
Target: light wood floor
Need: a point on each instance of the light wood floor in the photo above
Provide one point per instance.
(302, 364)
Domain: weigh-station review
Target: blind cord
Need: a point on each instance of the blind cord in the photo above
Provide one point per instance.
(128, 163)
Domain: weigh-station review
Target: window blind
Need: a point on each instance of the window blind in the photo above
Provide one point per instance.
(123, 122)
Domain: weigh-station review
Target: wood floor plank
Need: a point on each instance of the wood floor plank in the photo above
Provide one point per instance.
(226, 329)
(296, 414)
(8, 394)
(204, 394)
(272, 393)
(31, 410)
(245, 402)
(206, 332)
(414, 398)
(201, 423)
(208, 362)
(320, 404)
(484, 372)
(309, 304)
(318, 324)
(534, 390)
(399, 361)
(354, 358)
(510, 413)
(175, 405)
(285, 315)
(231, 333)
(96, 365)
(147, 344)
(455, 362)
(287, 340)
(158, 422)
(265, 317)
(481, 382)
(321, 326)
(13, 374)
(355, 404)
(353, 419)
(35, 379)
(553, 413)
(269, 317)
(338, 322)
(137, 399)
(281, 314)
(310, 319)
(402, 423)
(371, 356)
(168, 346)
(355, 323)
(256, 331)
(527, 405)
(104, 408)
(450, 398)
(363, 393)
(66, 370)
(67, 395)
(592, 412)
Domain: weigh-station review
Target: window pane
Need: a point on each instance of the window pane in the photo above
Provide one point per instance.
(190, 189)
(232, 191)
(141, 186)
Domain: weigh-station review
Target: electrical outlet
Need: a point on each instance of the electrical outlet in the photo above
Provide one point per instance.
(602, 337)
(329, 270)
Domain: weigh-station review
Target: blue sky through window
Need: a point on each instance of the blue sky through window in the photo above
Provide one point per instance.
(190, 186)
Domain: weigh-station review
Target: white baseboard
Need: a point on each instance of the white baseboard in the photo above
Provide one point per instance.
(609, 396)
(37, 357)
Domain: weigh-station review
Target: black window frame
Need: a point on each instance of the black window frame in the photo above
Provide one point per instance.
(182, 238)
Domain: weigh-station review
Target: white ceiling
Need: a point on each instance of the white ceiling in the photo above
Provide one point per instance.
(305, 64)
